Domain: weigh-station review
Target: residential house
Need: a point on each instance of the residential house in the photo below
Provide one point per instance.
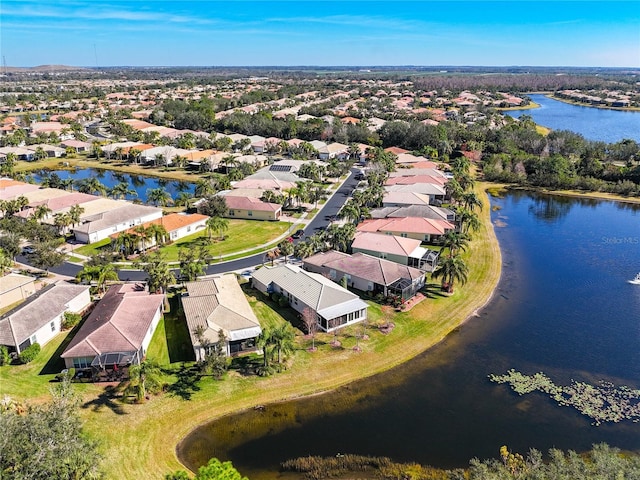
(251, 208)
(15, 288)
(177, 225)
(333, 150)
(39, 318)
(77, 145)
(425, 211)
(402, 250)
(219, 304)
(333, 305)
(118, 330)
(367, 273)
(99, 226)
(433, 193)
(424, 229)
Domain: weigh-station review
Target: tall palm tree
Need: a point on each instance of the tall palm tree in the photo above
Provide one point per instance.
(264, 341)
(159, 196)
(452, 268)
(468, 220)
(218, 225)
(100, 274)
(41, 212)
(183, 199)
(303, 250)
(143, 377)
(455, 241)
(470, 200)
(282, 338)
(75, 213)
(143, 234)
(158, 233)
(160, 277)
(125, 243)
(121, 190)
(286, 248)
(350, 211)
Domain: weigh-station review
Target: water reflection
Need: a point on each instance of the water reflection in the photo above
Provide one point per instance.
(563, 306)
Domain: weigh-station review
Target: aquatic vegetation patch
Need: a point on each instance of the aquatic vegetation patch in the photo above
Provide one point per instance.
(602, 403)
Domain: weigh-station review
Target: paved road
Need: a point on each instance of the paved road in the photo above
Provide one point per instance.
(320, 222)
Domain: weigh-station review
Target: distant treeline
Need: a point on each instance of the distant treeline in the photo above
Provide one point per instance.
(530, 82)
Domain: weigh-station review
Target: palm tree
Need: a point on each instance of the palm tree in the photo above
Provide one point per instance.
(183, 199)
(470, 200)
(218, 225)
(5, 261)
(143, 234)
(41, 212)
(286, 248)
(92, 185)
(158, 233)
(272, 255)
(282, 338)
(100, 274)
(454, 189)
(264, 341)
(121, 190)
(142, 377)
(160, 277)
(468, 220)
(204, 187)
(61, 221)
(125, 243)
(75, 213)
(159, 196)
(303, 250)
(452, 268)
(350, 211)
(455, 241)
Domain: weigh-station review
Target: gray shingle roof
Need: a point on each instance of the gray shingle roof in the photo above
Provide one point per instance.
(23, 321)
(219, 303)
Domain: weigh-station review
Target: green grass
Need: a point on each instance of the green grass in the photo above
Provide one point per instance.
(153, 429)
(94, 248)
(242, 235)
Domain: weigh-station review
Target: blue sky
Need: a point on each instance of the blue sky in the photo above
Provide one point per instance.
(237, 32)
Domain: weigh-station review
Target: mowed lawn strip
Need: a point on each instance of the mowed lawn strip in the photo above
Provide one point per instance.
(241, 235)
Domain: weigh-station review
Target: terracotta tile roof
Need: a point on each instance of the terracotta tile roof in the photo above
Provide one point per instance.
(396, 150)
(390, 244)
(428, 226)
(170, 222)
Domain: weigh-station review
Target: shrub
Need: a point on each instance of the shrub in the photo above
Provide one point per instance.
(70, 319)
(283, 301)
(5, 358)
(29, 353)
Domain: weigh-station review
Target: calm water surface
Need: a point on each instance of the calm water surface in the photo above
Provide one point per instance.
(563, 306)
(592, 123)
(138, 183)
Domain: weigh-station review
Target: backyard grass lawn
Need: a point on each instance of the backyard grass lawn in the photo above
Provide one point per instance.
(154, 429)
(94, 248)
(242, 235)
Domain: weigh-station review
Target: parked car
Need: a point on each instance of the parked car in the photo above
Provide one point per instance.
(28, 250)
(298, 234)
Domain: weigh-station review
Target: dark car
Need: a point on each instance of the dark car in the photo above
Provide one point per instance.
(28, 250)
(298, 234)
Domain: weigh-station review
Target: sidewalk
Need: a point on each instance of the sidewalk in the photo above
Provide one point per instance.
(295, 223)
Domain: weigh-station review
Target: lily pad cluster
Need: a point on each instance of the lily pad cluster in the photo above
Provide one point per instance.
(602, 403)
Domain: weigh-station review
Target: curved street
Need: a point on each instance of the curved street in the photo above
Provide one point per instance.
(320, 222)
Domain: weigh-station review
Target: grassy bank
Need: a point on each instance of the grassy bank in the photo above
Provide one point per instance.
(567, 193)
(82, 161)
(152, 432)
(139, 441)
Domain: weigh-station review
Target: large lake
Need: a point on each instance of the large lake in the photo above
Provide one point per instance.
(139, 183)
(563, 306)
(592, 123)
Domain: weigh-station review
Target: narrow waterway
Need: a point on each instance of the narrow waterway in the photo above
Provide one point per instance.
(563, 306)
